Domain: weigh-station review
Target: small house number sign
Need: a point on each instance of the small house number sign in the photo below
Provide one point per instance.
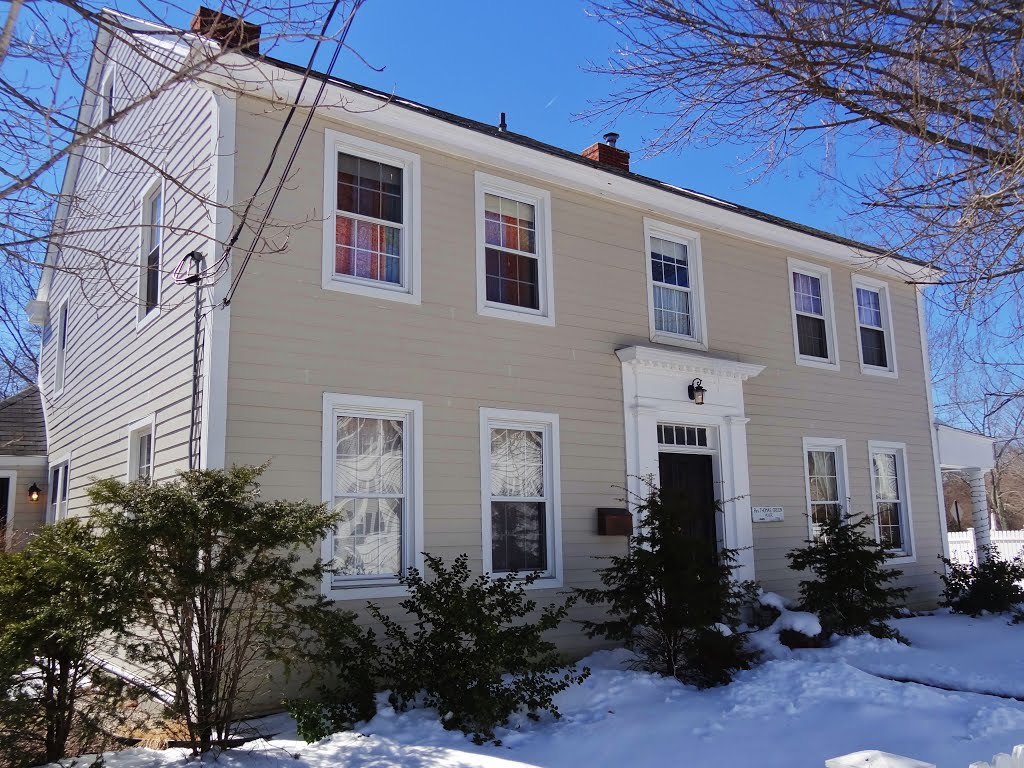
(767, 514)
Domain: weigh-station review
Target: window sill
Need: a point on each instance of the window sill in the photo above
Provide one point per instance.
(332, 283)
(146, 320)
(544, 582)
(810, 362)
(660, 337)
(900, 559)
(492, 310)
(870, 370)
(355, 592)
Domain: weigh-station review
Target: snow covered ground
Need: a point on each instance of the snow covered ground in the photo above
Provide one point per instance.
(790, 712)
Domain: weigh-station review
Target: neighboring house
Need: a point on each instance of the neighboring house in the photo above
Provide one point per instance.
(470, 340)
(22, 467)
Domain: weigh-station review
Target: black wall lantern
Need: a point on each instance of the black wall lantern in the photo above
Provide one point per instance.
(33, 492)
(696, 392)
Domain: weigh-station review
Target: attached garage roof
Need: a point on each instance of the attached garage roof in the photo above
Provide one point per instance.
(22, 426)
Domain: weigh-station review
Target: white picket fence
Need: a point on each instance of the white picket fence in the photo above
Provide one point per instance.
(1009, 544)
(874, 759)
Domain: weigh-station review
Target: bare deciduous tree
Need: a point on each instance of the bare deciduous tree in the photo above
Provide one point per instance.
(932, 89)
(48, 93)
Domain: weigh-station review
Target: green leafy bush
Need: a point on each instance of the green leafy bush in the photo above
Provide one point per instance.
(475, 650)
(672, 600)
(228, 588)
(851, 592)
(60, 598)
(993, 585)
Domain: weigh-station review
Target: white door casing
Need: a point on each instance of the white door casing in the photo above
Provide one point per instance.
(654, 389)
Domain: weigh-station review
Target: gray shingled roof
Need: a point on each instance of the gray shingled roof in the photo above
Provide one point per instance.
(22, 427)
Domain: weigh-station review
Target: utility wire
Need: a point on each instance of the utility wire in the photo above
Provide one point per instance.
(295, 148)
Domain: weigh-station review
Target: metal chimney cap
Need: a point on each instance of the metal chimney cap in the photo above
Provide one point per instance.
(610, 138)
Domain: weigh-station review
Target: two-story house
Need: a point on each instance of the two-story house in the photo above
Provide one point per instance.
(469, 340)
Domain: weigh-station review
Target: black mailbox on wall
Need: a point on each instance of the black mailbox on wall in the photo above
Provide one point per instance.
(614, 521)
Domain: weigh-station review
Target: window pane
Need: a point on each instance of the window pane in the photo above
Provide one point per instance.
(510, 224)
(518, 535)
(890, 531)
(368, 540)
(807, 293)
(669, 263)
(517, 463)
(369, 456)
(367, 250)
(152, 286)
(822, 475)
(672, 311)
(885, 476)
(810, 332)
(869, 307)
(512, 279)
(145, 450)
(369, 188)
(872, 344)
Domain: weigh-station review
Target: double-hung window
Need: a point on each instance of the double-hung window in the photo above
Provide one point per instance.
(675, 285)
(60, 357)
(814, 331)
(521, 515)
(371, 235)
(874, 327)
(372, 476)
(825, 470)
(152, 247)
(58, 490)
(515, 278)
(104, 114)
(889, 495)
(141, 450)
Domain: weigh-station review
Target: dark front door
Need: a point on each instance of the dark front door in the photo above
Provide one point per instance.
(5, 494)
(688, 485)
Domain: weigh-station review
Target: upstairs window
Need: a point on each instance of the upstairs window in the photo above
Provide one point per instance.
(152, 245)
(874, 329)
(515, 275)
(104, 113)
(62, 347)
(813, 317)
(675, 285)
(371, 237)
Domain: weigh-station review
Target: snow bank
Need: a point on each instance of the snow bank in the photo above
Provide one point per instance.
(767, 640)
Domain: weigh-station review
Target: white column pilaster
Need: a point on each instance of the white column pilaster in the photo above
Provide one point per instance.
(979, 506)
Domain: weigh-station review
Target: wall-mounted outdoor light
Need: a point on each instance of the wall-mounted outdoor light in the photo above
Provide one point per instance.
(696, 392)
(33, 492)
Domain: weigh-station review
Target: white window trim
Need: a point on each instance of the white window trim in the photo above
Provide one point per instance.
(136, 429)
(540, 199)
(409, 291)
(143, 318)
(882, 287)
(60, 354)
(104, 149)
(900, 449)
(548, 424)
(842, 470)
(376, 407)
(54, 512)
(695, 263)
(12, 496)
(824, 274)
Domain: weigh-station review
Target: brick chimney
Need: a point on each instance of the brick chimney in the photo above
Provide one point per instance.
(229, 31)
(607, 153)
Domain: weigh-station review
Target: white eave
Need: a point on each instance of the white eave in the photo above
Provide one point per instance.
(247, 76)
(959, 449)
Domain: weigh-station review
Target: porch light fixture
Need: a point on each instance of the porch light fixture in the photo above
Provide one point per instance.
(33, 492)
(696, 392)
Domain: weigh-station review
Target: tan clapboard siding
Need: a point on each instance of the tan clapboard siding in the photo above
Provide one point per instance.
(291, 341)
(27, 515)
(116, 374)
